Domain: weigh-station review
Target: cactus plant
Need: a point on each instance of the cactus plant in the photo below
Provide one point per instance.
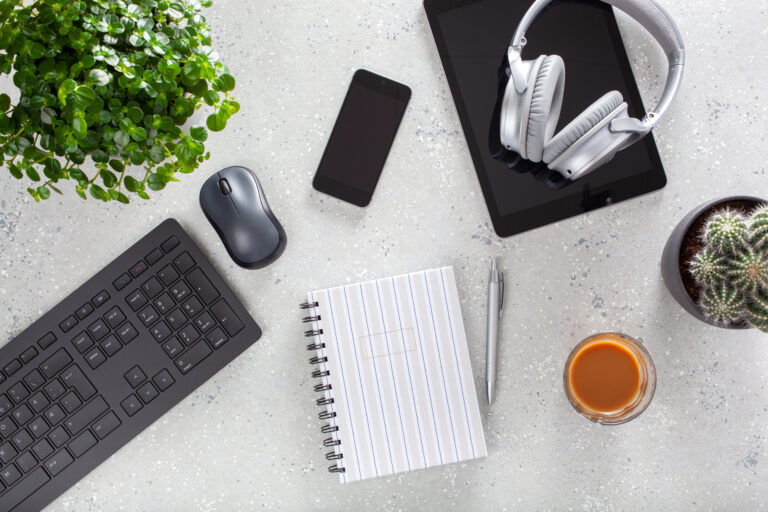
(732, 268)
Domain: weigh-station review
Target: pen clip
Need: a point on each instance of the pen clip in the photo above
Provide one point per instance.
(501, 292)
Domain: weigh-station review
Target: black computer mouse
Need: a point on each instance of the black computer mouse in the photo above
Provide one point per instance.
(234, 203)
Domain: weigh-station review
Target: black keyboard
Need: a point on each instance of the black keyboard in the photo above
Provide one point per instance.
(109, 360)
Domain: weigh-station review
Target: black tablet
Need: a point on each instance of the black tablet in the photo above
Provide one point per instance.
(472, 37)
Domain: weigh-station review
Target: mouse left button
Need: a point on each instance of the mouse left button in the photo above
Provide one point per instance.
(224, 186)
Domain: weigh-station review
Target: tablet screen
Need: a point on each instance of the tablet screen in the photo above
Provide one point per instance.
(472, 37)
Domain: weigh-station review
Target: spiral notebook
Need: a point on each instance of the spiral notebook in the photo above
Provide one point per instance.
(395, 374)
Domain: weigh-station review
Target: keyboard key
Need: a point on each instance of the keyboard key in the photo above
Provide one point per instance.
(164, 303)
(26, 462)
(148, 316)
(227, 318)
(70, 402)
(136, 299)
(173, 347)
(82, 342)
(152, 287)
(131, 405)
(110, 346)
(138, 268)
(34, 379)
(5, 405)
(121, 282)
(100, 298)
(58, 437)
(23, 489)
(192, 357)
(46, 341)
(86, 415)
(55, 363)
(54, 389)
(202, 286)
(105, 425)
(74, 378)
(147, 392)
(7, 452)
(82, 443)
(184, 262)
(188, 334)
(167, 275)
(28, 355)
(154, 256)
(176, 318)
(68, 323)
(10, 475)
(85, 310)
(163, 380)
(135, 376)
(95, 358)
(161, 331)
(21, 439)
(54, 414)
(181, 290)
(169, 244)
(204, 322)
(7, 427)
(114, 317)
(38, 402)
(18, 392)
(38, 427)
(2, 377)
(192, 307)
(22, 414)
(98, 329)
(126, 332)
(58, 462)
(42, 449)
(12, 367)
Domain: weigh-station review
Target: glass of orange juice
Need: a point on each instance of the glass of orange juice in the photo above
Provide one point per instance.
(609, 378)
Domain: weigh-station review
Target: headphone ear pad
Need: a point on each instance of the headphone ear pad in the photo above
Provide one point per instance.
(584, 122)
(546, 99)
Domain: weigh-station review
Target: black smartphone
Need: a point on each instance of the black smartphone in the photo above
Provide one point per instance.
(362, 137)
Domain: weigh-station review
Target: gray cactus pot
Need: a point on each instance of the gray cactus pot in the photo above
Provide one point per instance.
(670, 259)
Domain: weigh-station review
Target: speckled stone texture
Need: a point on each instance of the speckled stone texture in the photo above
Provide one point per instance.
(250, 439)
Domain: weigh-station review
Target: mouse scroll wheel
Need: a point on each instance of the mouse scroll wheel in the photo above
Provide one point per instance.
(224, 186)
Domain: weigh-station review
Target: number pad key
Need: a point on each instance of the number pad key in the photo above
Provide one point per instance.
(148, 316)
(192, 307)
(184, 262)
(181, 291)
(161, 331)
(164, 303)
(188, 334)
(152, 287)
(176, 319)
(173, 347)
(136, 299)
(167, 275)
(204, 322)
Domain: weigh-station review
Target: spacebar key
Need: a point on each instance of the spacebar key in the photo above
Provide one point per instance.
(193, 356)
(86, 415)
(23, 489)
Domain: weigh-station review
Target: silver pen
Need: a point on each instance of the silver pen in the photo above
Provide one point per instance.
(495, 303)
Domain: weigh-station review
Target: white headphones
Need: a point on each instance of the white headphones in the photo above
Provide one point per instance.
(534, 94)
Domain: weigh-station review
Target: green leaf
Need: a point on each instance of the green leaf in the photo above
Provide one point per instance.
(36, 51)
(121, 138)
(5, 102)
(216, 122)
(84, 96)
(77, 174)
(98, 193)
(191, 71)
(157, 154)
(135, 114)
(117, 165)
(131, 184)
(100, 156)
(122, 198)
(81, 192)
(224, 83)
(43, 192)
(198, 133)
(66, 87)
(108, 177)
(34, 194)
(143, 194)
(15, 171)
(155, 182)
(210, 97)
(32, 174)
(138, 134)
(79, 127)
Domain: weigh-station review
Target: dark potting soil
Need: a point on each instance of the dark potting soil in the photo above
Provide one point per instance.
(692, 242)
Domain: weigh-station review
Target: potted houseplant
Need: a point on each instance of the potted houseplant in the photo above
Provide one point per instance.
(715, 262)
(111, 82)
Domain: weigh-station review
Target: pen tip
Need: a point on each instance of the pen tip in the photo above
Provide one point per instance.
(490, 393)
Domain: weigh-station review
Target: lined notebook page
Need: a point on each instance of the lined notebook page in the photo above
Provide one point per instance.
(399, 367)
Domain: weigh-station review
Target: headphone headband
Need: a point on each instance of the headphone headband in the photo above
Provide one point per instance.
(657, 22)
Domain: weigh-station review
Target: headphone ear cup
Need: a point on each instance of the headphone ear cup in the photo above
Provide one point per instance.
(584, 122)
(545, 98)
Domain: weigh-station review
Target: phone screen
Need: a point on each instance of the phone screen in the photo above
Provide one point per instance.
(362, 137)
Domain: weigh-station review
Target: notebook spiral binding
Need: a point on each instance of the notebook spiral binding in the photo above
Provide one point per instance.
(325, 387)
